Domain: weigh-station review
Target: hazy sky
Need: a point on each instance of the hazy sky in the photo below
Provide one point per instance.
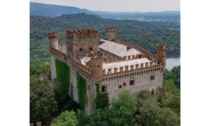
(119, 5)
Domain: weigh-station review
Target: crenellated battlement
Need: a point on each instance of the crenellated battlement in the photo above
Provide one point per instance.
(126, 68)
(110, 29)
(82, 33)
(53, 35)
(82, 67)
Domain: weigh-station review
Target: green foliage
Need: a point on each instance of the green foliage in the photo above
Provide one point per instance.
(43, 105)
(150, 113)
(66, 118)
(39, 68)
(63, 76)
(121, 110)
(174, 75)
(119, 113)
(171, 97)
(83, 119)
(81, 86)
(101, 98)
(65, 102)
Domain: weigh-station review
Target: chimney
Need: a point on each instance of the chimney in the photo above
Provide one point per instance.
(128, 47)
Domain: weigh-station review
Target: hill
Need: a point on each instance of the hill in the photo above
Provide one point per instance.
(145, 34)
(39, 9)
(49, 10)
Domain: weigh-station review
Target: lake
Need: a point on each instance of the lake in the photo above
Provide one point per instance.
(172, 62)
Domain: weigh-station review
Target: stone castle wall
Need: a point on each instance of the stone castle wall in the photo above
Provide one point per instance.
(53, 68)
(142, 81)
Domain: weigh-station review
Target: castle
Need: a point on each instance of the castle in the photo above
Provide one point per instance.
(105, 67)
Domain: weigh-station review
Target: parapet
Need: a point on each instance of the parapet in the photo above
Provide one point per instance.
(53, 35)
(110, 29)
(82, 33)
(161, 47)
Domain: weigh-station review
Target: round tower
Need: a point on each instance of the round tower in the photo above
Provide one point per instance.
(96, 65)
(161, 55)
(53, 38)
(110, 33)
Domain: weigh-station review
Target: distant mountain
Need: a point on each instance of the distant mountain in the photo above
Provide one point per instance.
(39, 9)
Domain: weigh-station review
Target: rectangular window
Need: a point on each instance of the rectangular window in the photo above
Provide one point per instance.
(126, 67)
(137, 66)
(152, 77)
(131, 67)
(121, 69)
(132, 81)
(115, 69)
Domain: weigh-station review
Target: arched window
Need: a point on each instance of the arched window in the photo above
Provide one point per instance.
(153, 92)
(152, 76)
(103, 88)
(90, 48)
(132, 82)
(81, 49)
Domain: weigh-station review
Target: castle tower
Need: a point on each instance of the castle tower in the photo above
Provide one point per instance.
(81, 42)
(53, 38)
(161, 54)
(110, 33)
(96, 65)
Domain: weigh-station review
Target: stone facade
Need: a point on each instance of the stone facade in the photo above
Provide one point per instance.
(111, 63)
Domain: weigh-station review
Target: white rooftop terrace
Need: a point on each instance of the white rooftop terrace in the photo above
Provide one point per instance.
(128, 63)
(117, 48)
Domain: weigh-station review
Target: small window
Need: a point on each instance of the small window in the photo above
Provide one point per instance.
(90, 48)
(140, 56)
(146, 64)
(80, 49)
(109, 71)
(120, 86)
(124, 84)
(137, 66)
(132, 81)
(152, 77)
(131, 67)
(115, 69)
(126, 67)
(98, 65)
(103, 88)
(142, 65)
(153, 92)
(121, 69)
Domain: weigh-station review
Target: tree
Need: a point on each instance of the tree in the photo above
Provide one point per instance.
(149, 113)
(122, 109)
(42, 102)
(119, 113)
(66, 118)
(173, 75)
(171, 96)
